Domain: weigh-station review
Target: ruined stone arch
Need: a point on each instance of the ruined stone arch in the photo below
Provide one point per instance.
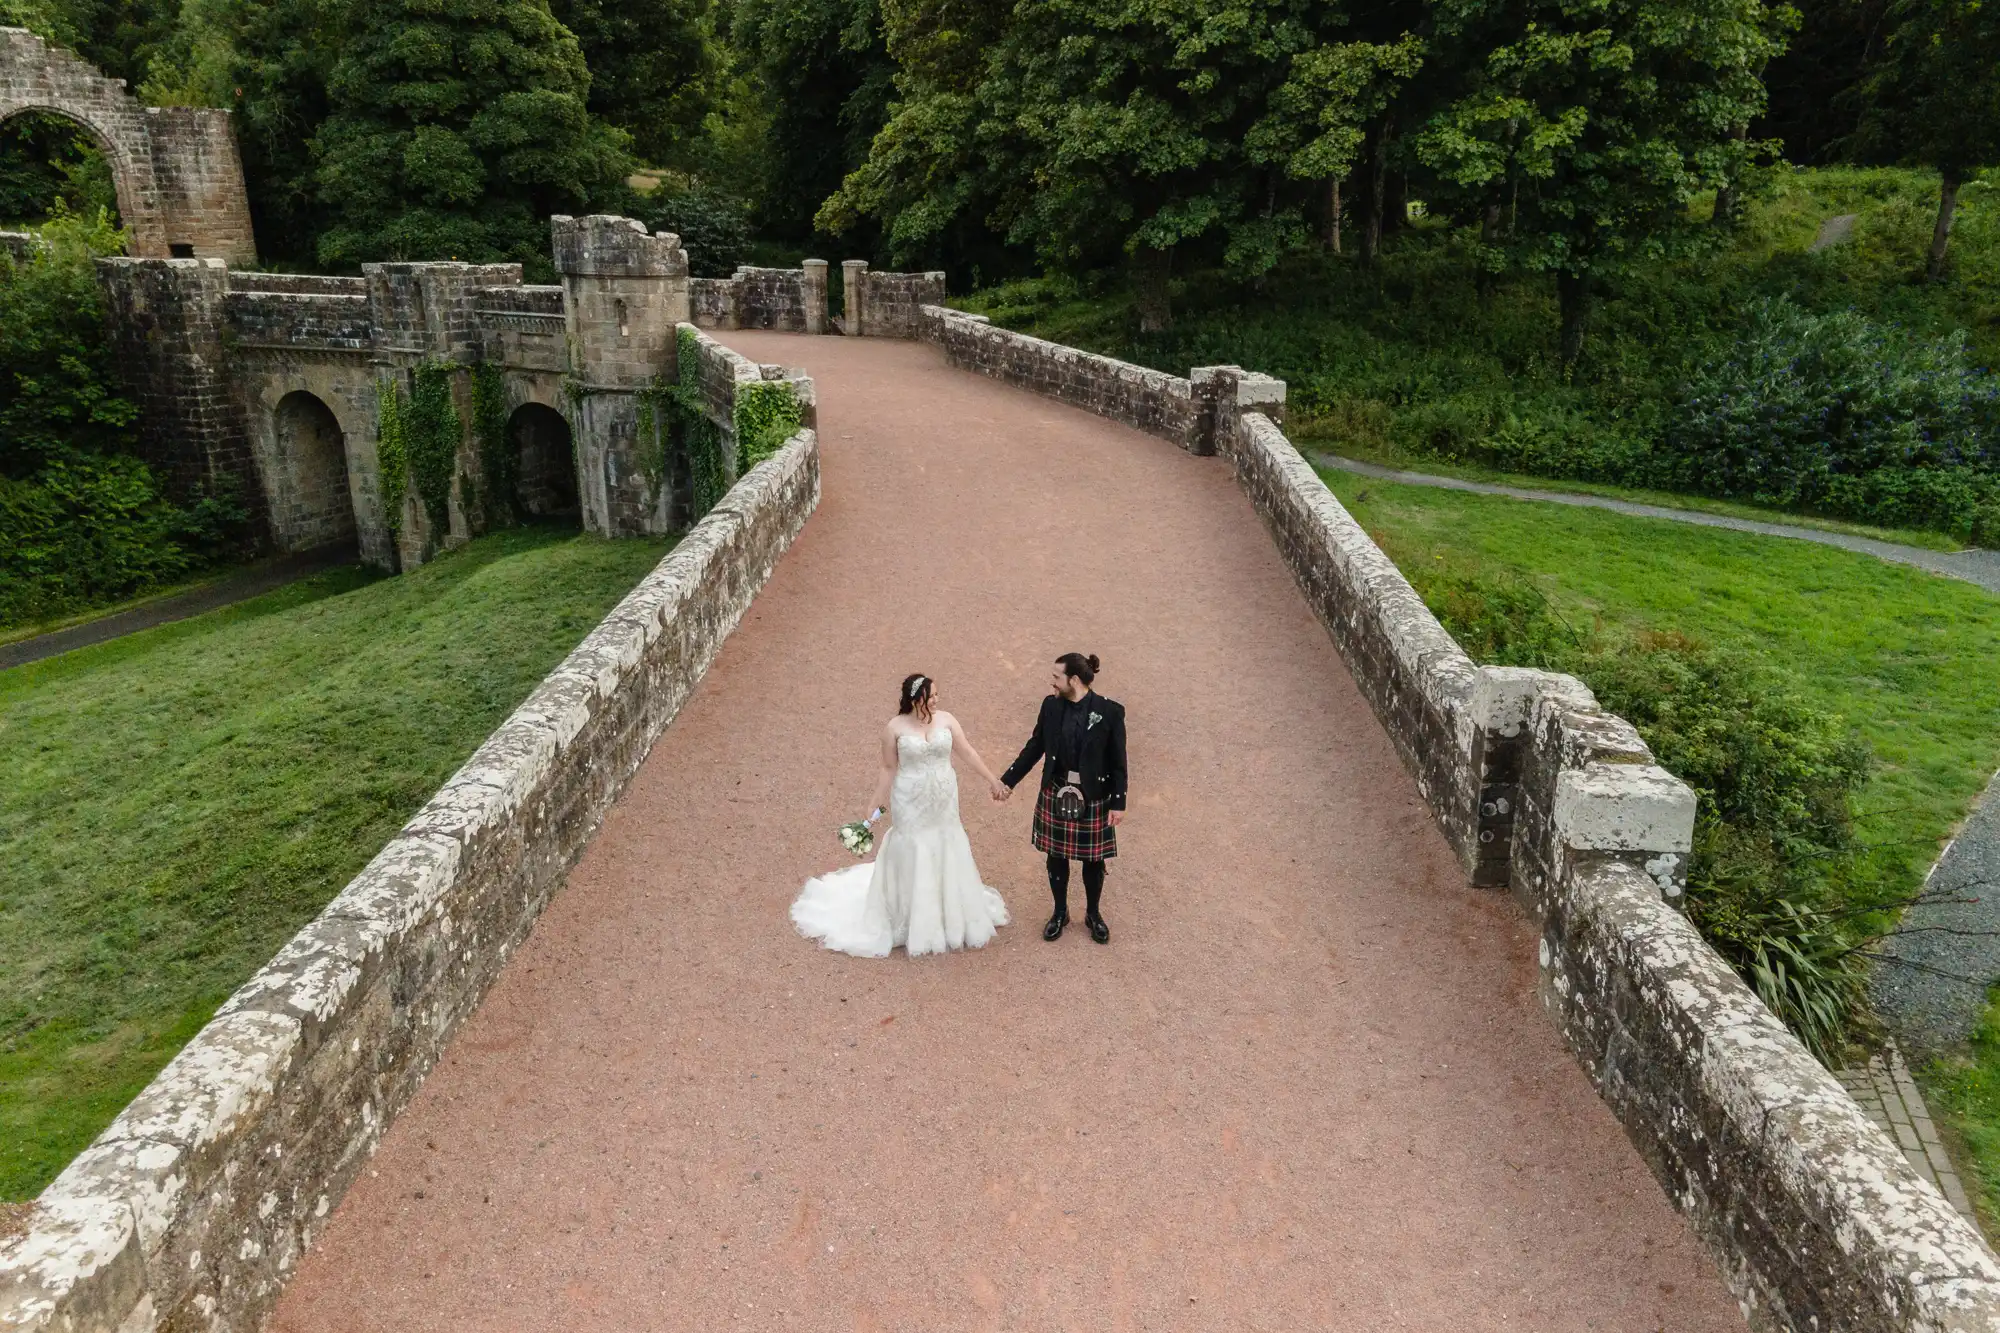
(178, 174)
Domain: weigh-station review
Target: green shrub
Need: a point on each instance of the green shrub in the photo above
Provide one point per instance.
(1801, 399)
(1774, 775)
(714, 228)
(82, 521)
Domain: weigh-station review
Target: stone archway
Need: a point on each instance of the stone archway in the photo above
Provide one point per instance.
(544, 463)
(311, 506)
(177, 171)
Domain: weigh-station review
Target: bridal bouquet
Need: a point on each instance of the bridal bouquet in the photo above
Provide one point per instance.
(858, 837)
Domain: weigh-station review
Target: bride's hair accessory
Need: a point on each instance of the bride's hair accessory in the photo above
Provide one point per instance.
(916, 694)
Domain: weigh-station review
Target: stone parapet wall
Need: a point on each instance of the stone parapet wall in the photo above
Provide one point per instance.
(193, 1208)
(296, 284)
(789, 300)
(1148, 400)
(886, 305)
(1818, 1221)
(302, 320)
(720, 374)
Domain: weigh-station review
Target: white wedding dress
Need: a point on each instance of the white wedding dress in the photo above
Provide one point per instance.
(922, 891)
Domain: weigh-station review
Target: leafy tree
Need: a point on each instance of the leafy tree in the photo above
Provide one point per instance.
(1089, 133)
(824, 72)
(1595, 125)
(455, 128)
(655, 67)
(1935, 99)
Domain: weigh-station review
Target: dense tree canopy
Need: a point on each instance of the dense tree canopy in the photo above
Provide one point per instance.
(654, 65)
(1591, 128)
(455, 128)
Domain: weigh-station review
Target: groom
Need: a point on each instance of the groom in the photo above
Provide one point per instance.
(1080, 740)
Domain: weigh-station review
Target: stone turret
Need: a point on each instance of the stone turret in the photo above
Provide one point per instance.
(624, 291)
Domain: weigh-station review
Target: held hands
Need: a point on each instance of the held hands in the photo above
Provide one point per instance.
(999, 790)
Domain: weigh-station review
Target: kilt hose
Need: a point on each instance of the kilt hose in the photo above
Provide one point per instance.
(1090, 838)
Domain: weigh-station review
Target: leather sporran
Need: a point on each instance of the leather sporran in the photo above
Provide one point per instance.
(1069, 801)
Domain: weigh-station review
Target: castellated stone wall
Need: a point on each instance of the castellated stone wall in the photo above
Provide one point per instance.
(192, 1209)
(176, 169)
(1817, 1220)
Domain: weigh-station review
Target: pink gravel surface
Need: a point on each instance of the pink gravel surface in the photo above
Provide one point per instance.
(1307, 1086)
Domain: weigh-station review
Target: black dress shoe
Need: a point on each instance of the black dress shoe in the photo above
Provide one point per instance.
(1054, 930)
(1098, 930)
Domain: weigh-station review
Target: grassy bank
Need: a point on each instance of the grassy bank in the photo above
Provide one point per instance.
(180, 801)
(1904, 657)
(1413, 360)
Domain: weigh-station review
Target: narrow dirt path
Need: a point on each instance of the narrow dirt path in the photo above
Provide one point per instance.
(240, 586)
(1307, 1086)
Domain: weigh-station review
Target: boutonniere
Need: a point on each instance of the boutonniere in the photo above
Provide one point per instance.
(1095, 718)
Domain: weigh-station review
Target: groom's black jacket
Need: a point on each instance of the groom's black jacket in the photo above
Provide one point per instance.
(1102, 763)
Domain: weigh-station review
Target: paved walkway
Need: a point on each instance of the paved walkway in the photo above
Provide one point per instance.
(1980, 567)
(1308, 1085)
(240, 586)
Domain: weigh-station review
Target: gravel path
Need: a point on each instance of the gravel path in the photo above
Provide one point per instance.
(238, 587)
(1980, 567)
(1931, 986)
(1307, 1086)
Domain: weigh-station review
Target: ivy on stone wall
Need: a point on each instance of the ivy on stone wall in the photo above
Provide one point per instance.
(392, 452)
(416, 444)
(699, 438)
(496, 453)
(655, 427)
(767, 414)
(434, 434)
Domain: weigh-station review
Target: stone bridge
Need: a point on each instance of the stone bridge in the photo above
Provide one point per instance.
(277, 381)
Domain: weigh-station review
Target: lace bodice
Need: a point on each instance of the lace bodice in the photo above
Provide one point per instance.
(925, 792)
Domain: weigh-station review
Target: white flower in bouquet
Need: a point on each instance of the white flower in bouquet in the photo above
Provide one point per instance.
(858, 837)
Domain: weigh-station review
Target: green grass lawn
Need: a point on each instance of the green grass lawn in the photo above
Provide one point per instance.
(1310, 437)
(177, 803)
(1907, 658)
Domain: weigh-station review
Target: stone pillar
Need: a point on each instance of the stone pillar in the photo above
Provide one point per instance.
(167, 320)
(1224, 394)
(813, 286)
(853, 296)
(624, 291)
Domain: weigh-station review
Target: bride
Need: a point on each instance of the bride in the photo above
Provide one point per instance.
(923, 890)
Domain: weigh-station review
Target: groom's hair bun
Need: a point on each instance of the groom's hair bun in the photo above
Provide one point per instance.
(1083, 667)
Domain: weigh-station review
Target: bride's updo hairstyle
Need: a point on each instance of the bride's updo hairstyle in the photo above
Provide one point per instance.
(916, 696)
(1082, 667)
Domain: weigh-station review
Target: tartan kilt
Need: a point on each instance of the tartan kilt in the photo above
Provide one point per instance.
(1090, 838)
